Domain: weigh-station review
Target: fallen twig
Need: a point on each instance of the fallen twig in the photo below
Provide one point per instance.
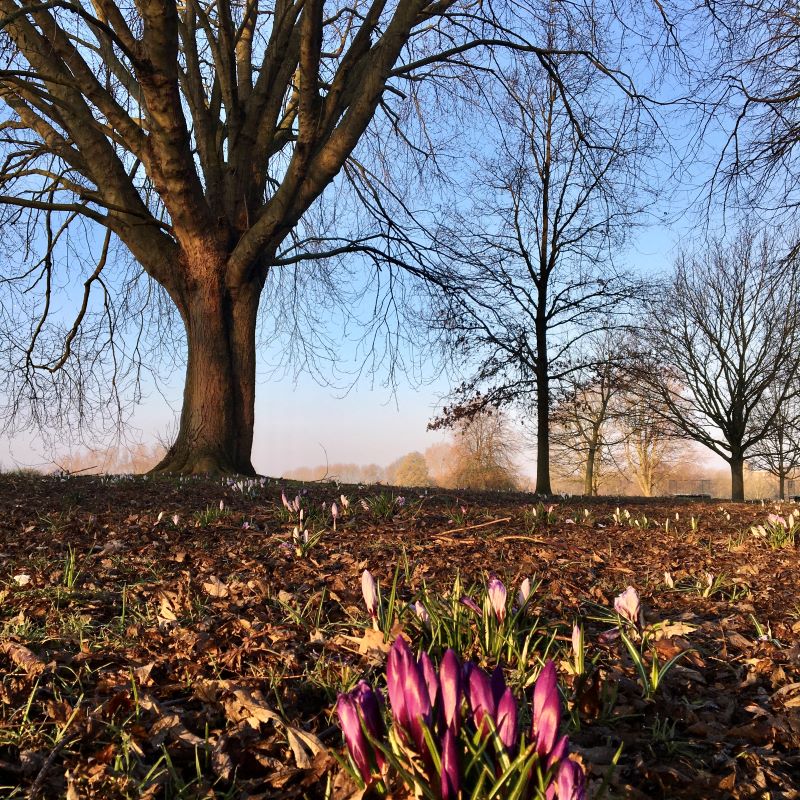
(38, 784)
(473, 527)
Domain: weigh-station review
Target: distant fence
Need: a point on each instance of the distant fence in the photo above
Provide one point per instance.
(690, 488)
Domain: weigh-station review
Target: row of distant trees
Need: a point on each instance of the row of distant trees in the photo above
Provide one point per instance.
(482, 453)
(710, 354)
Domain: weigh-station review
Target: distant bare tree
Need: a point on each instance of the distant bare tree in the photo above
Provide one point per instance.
(722, 346)
(485, 449)
(412, 471)
(584, 432)
(537, 245)
(649, 445)
(779, 451)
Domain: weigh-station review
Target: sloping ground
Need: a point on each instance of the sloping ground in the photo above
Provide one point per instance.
(200, 655)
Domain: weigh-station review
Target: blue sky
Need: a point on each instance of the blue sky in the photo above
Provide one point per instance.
(305, 424)
(302, 423)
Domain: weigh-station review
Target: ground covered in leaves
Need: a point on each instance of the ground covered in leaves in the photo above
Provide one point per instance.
(154, 643)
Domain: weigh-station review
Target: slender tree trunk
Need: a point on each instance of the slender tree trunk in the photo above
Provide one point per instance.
(543, 432)
(782, 486)
(216, 427)
(737, 477)
(588, 478)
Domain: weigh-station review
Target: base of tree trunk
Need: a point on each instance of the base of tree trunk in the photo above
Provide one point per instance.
(177, 463)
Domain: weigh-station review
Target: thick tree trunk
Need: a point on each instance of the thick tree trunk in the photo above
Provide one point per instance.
(543, 433)
(737, 478)
(216, 427)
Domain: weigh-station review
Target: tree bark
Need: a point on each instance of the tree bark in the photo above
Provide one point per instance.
(543, 433)
(737, 477)
(782, 486)
(216, 426)
(588, 480)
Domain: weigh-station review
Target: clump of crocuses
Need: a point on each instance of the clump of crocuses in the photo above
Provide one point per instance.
(455, 731)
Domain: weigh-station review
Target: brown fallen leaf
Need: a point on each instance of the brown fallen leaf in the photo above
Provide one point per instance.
(23, 658)
(214, 587)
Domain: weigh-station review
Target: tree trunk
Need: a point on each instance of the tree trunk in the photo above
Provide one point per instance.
(216, 428)
(588, 478)
(782, 486)
(737, 478)
(543, 433)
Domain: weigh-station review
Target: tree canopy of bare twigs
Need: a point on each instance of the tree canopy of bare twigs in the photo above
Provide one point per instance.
(203, 137)
(538, 245)
(749, 87)
(721, 345)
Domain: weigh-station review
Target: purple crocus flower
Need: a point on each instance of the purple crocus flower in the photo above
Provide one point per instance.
(370, 706)
(430, 677)
(558, 752)
(451, 775)
(451, 689)
(629, 606)
(497, 597)
(571, 781)
(370, 592)
(357, 744)
(481, 698)
(408, 693)
(546, 710)
(467, 601)
(507, 721)
(524, 592)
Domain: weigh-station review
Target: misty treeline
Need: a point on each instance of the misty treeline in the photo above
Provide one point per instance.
(398, 189)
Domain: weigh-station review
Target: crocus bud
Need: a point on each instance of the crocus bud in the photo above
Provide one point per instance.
(577, 640)
(497, 597)
(571, 781)
(370, 592)
(334, 511)
(629, 606)
(357, 744)
(408, 693)
(524, 592)
(467, 601)
(429, 675)
(345, 502)
(422, 614)
(451, 688)
(481, 698)
(451, 776)
(558, 752)
(507, 721)
(370, 706)
(546, 710)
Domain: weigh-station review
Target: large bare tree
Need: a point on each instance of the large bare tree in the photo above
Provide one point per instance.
(538, 247)
(722, 341)
(201, 135)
